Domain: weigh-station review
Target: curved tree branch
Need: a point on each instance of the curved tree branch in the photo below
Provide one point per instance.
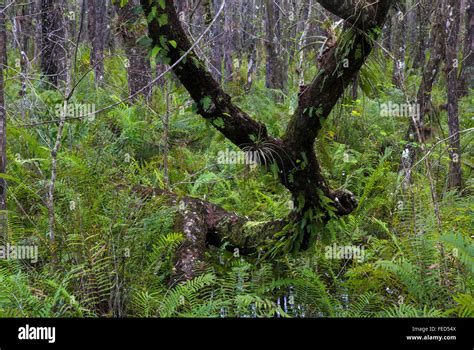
(294, 155)
(363, 14)
(212, 102)
(338, 66)
(204, 224)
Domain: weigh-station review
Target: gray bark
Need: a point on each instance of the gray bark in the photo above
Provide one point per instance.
(398, 46)
(138, 66)
(467, 77)
(275, 70)
(452, 63)
(97, 25)
(3, 123)
(216, 46)
(52, 42)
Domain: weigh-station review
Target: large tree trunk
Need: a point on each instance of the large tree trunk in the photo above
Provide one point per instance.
(452, 65)
(205, 224)
(138, 66)
(52, 42)
(294, 154)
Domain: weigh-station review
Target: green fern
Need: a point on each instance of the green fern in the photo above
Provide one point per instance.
(463, 248)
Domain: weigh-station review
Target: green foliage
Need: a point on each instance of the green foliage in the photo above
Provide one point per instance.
(463, 249)
(465, 307)
(117, 247)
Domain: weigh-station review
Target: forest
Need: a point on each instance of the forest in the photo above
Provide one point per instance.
(236, 159)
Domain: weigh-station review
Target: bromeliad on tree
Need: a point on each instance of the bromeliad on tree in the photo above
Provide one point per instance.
(293, 154)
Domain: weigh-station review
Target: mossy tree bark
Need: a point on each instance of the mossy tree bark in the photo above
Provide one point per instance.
(293, 154)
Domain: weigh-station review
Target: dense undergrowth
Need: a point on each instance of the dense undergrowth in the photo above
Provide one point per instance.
(116, 247)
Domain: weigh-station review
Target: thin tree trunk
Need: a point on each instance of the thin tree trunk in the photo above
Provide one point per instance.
(25, 33)
(422, 21)
(166, 137)
(415, 133)
(452, 63)
(52, 42)
(90, 20)
(38, 25)
(97, 25)
(138, 66)
(467, 77)
(3, 127)
(228, 41)
(54, 154)
(216, 45)
(302, 41)
(430, 73)
(398, 47)
(250, 40)
(274, 67)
